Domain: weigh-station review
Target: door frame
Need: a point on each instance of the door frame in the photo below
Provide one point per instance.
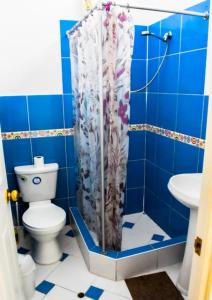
(201, 273)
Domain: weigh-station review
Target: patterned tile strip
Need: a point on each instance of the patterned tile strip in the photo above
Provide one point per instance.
(194, 141)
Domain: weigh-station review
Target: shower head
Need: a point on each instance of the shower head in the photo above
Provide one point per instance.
(167, 36)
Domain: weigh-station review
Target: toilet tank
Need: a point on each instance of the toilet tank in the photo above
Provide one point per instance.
(37, 183)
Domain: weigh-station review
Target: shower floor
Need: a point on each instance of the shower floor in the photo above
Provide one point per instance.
(139, 230)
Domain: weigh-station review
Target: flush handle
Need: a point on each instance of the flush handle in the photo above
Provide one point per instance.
(198, 245)
(14, 195)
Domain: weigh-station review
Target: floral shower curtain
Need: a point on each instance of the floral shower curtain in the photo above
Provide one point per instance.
(112, 35)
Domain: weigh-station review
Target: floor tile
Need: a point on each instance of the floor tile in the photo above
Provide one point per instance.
(110, 296)
(42, 271)
(70, 233)
(64, 256)
(72, 274)
(37, 296)
(44, 287)
(115, 287)
(157, 237)
(94, 292)
(69, 245)
(128, 225)
(132, 218)
(58, 293)
(23, 250)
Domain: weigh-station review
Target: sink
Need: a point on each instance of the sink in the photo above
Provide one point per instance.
(186, 189)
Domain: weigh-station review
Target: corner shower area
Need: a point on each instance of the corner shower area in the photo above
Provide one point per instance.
(132, 89)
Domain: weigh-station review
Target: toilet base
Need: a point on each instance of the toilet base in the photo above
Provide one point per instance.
(46, 252)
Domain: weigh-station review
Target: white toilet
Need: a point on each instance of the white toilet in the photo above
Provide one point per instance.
(43, 220)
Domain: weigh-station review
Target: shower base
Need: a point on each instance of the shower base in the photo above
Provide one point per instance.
(141, 250)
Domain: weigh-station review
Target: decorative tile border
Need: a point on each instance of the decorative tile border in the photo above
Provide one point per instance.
(184, 138)
(37, 134)
(181, 137)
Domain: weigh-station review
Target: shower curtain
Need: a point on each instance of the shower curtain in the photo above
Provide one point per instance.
(101, 52)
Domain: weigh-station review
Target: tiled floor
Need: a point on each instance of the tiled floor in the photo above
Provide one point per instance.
(139, 230)
(65, 279)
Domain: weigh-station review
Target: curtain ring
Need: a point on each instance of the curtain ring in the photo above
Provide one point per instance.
(128, 7)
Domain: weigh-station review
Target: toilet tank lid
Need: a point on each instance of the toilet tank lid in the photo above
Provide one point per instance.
(33, 169)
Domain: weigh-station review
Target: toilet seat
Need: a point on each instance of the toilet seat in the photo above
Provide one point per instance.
(43, 218)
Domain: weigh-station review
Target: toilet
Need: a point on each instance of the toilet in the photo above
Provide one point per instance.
(43, 220)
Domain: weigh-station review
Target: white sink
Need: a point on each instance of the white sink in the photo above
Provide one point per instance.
(186, 189)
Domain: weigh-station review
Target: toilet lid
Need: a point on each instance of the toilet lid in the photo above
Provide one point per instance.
(42, 217)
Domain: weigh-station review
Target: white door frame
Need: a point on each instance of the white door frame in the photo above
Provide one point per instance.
(201, 274)
(10, 277)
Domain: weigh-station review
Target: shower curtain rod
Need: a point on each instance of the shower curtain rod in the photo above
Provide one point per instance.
(204, 15)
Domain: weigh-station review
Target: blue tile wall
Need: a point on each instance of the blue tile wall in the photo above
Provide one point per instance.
(175, 101)
(45, 112)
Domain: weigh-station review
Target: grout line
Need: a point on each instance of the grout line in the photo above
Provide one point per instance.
(178, 53)
(27, 103)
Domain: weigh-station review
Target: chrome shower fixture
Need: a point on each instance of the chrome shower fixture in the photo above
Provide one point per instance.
(167, 36)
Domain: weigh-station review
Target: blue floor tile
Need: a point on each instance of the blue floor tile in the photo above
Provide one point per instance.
(64, 255)
(70, 233)
(23, 250)
(158, 237)
(44, 287)
(94, 292)
(128, 225)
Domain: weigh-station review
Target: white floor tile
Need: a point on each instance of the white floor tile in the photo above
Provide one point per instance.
(69, 245)
(110, 296)
(58, 293)
(42, 271)
(115, 287)
(132, 218)
(72, 274)
(37, 296)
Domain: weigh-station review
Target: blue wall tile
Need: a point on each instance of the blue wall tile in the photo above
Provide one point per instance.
(204, 117)
(62, 190)
(64, 41)
(164, 153)
(140, 43)
(172, 24)
(180, 208)
(151, 139)
(70, 151)
(194, 30)
(135, 174)
(66, 73)
(185, 158)
(192, 72)
(12, 182)
(52, 148)
(136, 145)
(13, 113)
(17, 153)
(158, 211)
(45, 112)
(137, 108)
(72, 178)
(153, 65)
(200, 160)
(168, 77)
(134, 203)
(68, 111)
(167, 111)
(189, 114)
(138, 73)
(153, 43)
(178, 225)
(152, 109)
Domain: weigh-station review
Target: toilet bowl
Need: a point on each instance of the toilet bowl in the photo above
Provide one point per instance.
(44, 222)
(43, 219)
